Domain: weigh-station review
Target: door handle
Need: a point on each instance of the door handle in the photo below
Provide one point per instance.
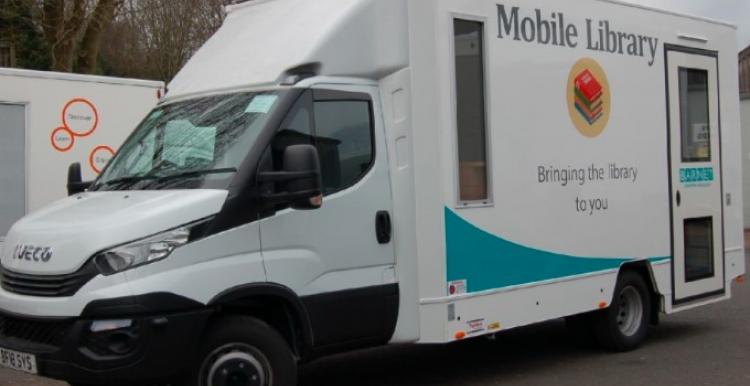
(383, 228)
(679, 198)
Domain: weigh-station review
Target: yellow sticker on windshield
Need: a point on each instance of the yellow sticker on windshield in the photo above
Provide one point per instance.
(261, 104)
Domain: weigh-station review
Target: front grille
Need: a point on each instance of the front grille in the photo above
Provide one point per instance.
(47, 285)
(47, 333)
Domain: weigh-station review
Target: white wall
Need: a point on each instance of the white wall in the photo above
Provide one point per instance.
(745, 112)
(120, 104)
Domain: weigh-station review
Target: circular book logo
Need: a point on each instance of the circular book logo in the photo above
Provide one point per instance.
(589, 98)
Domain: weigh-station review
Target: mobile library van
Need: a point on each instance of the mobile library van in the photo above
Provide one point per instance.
(337, 174)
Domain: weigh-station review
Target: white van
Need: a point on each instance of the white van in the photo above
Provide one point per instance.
(331, 175)
(49, 120)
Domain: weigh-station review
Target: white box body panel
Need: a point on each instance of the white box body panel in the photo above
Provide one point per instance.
(530, 243)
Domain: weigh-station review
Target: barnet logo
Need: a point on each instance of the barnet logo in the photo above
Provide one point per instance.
(589, 98)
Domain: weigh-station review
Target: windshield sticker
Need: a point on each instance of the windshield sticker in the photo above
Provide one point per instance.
(155, 114)
(261, 104)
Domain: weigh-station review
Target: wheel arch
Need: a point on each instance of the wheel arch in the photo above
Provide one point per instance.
(645, 270)
(276, 305)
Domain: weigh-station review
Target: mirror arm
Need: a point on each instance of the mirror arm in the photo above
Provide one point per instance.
(78, 187)
(283, 198)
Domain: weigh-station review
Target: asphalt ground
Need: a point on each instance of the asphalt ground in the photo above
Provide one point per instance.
(707, 346)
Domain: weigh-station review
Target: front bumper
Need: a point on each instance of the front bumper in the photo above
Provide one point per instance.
(156, 347)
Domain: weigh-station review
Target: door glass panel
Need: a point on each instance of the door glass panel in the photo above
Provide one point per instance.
(699, 249)
(694, 116)
(344, 137)
(296, 129)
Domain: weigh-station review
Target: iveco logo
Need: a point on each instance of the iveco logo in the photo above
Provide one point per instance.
(32, 253)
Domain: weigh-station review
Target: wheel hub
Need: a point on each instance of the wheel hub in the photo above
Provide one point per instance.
(237, 366)
(630, 311)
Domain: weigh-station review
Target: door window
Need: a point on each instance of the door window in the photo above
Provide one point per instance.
(344, 138)
(296, 129)
(471, 113)
(699, 249)
(341, 130)
(696, 131)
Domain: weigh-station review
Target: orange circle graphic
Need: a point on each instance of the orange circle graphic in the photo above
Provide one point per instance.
(589, 97)
(93, 109)
(92, 156)
(53, 139)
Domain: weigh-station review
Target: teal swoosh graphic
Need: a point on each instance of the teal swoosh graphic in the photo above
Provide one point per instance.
(489, 262)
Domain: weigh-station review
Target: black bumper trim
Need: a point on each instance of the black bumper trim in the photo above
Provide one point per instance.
(164, 346)
(160, 302)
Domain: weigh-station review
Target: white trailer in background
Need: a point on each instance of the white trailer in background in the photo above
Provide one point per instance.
(745, 114)
(49, 120)
(338, 174)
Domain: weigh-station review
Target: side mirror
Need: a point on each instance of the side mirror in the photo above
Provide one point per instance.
(300, 184)
(75, 180)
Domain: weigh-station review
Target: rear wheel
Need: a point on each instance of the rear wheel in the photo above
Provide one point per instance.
(244, 351)
(624, 325)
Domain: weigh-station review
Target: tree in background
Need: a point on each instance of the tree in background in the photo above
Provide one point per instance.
(18, 29)
(153, 39)
(74, 29)
(149, 39)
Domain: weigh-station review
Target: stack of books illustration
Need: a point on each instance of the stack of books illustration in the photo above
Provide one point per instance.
(589, 101)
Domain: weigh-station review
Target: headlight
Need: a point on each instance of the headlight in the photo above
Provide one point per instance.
(141, 252)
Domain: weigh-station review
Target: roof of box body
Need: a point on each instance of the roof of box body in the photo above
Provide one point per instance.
(262, 39)
(80, 78)
(671, 13)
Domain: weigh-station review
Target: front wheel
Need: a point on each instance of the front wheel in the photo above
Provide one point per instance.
(244, 351)
(624, 325)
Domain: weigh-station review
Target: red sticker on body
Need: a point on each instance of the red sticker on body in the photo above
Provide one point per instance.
(62, 139)
(80, 117)
(100, 157)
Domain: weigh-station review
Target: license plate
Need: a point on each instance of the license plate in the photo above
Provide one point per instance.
(18, 361)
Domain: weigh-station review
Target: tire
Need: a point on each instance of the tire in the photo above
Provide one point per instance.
(88, 384)
(624, 325)
(246, 351)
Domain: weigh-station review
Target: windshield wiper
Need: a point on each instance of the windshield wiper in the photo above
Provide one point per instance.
(196, 173)
(121, 183)
(193, 174)
(126, 182)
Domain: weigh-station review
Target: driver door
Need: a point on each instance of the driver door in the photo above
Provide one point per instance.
(336, 258)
